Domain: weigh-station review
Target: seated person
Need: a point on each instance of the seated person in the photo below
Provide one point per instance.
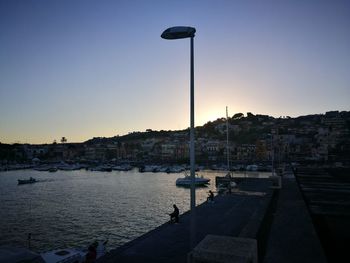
(174, 216)
(210, 197)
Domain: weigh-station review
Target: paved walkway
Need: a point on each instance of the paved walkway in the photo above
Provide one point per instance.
(228, 215)
(292, 237)
(279, 220)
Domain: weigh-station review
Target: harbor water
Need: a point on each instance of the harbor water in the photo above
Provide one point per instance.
(73, 208)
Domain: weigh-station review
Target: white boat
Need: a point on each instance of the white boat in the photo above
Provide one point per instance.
(225, 183)
(149, 169)
(68, 167)
(186, 181)
(73, 255)
(123, 167)
(176, 169)
(252, 167)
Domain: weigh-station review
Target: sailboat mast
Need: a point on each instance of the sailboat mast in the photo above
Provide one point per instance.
(227, 149)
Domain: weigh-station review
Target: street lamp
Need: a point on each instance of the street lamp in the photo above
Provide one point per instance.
(180, 32)
(272, 152)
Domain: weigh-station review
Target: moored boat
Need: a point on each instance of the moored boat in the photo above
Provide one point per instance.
(101, 168)
(252, 168)
(72, 255)
(31, 180)
(53, 169)
(186, 181)
(123, 167)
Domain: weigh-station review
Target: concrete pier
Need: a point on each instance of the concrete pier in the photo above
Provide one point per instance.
(292, 237)
(326, 192)
(256, 211)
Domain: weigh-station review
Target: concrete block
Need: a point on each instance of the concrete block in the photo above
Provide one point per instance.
(224, 249)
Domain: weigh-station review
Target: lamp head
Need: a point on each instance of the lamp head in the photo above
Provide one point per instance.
(178, 32)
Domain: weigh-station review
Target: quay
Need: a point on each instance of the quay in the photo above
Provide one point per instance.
(326, 192)
(276, 218)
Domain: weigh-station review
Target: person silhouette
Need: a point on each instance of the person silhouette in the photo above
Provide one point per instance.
(174, 216)
(210, 197)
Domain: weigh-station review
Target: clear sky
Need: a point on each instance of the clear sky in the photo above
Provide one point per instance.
(84, 69)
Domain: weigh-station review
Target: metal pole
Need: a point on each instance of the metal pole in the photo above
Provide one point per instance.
(227, 148)
(192, 156)
(272, 152)
(29, 238)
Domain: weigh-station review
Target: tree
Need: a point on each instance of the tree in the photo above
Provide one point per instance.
(238, 116)
(250, 115)
(63, 140)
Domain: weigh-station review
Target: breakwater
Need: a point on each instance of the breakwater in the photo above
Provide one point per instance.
(277, 218)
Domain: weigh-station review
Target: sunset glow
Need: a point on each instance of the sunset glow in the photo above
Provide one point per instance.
(86, 69)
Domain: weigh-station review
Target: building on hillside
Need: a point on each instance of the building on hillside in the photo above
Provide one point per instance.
(246, 152)
(95, 152)
(262, 153)
(148, 144)
(36, 151)
(182, 151)
(212, 149)
(168, 151)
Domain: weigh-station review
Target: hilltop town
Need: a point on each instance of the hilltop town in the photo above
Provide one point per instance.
(320, 138)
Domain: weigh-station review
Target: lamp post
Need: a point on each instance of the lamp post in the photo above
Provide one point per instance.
(272, 152)
(179, 32)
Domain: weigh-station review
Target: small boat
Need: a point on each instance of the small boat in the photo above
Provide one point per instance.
(69, 167)
(72, 255)
(252, 168)
(186, 181)
(123, 167)
(53, 169)
(101, 168)
(149, 169)
(31, 180)
(176, 169)
(42, 168)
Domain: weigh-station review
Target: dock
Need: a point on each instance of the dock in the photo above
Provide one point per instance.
(277, 219)
(326, 192)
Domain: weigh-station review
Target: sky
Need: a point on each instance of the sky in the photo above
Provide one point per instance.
(84, 69)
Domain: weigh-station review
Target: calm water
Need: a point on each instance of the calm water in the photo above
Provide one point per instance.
(72, 208)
